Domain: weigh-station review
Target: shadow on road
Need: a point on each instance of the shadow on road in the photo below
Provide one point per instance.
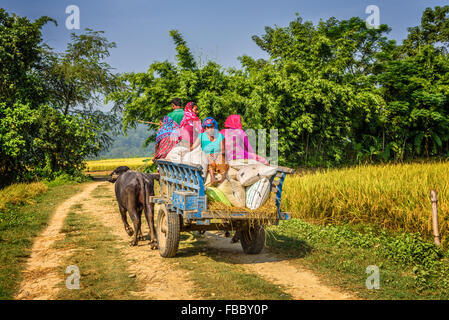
(220, 248)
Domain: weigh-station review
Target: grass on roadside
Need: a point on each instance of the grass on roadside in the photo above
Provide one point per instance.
(20, 193)
(18, 227)
(96, 252)
(410, 268)
(217, 278)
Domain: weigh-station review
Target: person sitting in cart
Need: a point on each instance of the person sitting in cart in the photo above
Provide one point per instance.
(237, 144)
(167, 137)
(213, 144)
(190, 126)
(178, 113)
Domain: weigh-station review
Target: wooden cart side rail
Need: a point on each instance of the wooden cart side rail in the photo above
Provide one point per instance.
(277, 181)
(238, 215)
(160, 200)
(179, 164)
(175, 176)
(286, 170)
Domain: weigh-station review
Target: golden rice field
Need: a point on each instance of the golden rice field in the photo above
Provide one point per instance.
(394, 196)
(20, 193)
(111, 164)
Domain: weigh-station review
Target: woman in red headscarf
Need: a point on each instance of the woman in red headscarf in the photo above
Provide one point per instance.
(237, 144)
(190, 126)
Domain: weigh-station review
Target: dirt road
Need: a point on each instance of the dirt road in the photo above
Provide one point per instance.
(158, 278)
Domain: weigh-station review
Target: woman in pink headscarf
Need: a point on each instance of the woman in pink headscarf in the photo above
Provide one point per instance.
(190, 126)
(236, 140)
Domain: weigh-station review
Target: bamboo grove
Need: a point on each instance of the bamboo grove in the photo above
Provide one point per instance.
(338, 92)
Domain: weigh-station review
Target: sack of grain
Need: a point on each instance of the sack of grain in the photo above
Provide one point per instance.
(214, 194)
(196, 156)
(258, 193)
(252, 173)
(232, 173)
(176, 154)
(241, 163)
(234, 191)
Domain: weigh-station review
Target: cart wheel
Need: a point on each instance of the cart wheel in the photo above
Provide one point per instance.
(253, 239)
(168, 232)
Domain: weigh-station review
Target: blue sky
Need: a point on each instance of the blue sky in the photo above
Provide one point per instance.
(215, 30)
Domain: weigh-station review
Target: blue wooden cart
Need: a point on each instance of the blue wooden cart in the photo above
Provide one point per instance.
(183, 207)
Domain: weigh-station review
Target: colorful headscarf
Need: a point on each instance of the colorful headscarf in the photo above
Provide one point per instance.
(234, 121)
(208, 121)
(189, 116)
(169, 127)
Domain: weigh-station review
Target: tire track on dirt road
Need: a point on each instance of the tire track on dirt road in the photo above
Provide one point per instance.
(159, 280)
(40, 277)
(300, 283)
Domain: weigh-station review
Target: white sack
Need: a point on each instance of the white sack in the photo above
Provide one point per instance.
(250, 174)
(197, 156)
(176, 154)
(258, 193)
(241, 163)
(234, 191)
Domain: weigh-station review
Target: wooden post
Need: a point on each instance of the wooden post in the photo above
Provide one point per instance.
(149, 122)
(436, 232)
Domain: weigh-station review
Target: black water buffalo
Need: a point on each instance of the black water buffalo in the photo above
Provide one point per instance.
(132, 190)
(118, 171)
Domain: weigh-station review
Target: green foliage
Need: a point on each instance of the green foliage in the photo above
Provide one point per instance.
(65, 141)
(337, 91)
(319, 82)
(20, 56)
(17, 126)
(415, 88)
(412, 249)
(77, 80)
(44, 142)
(403, 248)
(63, 178)
(48, 123)
(434, 30)
(77, 77)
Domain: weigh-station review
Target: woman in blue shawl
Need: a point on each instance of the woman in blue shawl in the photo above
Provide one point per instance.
(213, 144)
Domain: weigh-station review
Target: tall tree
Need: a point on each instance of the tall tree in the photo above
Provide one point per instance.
(20, 59)
(434, 31)
(414, 82)
(48, 119)
(319, 79)
(78, 79)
